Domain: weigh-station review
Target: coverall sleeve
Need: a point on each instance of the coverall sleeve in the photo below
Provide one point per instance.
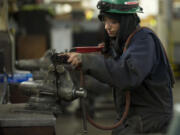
(93, 85)
(127, 71)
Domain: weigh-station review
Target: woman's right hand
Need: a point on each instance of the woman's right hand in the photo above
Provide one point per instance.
(102, 44)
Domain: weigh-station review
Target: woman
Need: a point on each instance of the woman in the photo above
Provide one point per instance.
(134, 60)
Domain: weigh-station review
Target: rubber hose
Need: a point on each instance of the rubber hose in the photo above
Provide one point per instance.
(127, 106)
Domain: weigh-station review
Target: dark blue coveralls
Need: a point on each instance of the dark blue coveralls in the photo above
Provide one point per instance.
(144, 70)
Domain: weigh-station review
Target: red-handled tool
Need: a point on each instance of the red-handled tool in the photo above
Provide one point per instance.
(87, 49)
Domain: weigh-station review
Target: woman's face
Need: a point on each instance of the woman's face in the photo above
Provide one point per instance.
(111, 26)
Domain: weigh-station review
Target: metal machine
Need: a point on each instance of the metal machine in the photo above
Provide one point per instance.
(57, 85)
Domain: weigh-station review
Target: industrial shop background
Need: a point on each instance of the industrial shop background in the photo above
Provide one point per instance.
(32, 30)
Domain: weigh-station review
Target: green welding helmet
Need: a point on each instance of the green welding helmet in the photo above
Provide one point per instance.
(119, 6)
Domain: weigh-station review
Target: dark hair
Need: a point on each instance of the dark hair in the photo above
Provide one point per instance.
(128, 23)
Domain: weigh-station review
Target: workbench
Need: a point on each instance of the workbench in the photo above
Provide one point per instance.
(15, 122)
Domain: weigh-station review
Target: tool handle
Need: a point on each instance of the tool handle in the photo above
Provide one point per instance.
(87, 49)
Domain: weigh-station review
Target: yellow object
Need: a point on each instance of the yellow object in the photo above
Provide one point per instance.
(149, 21)
(89, 14)
(153, 22)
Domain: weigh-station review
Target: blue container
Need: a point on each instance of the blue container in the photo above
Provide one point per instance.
(16, 78)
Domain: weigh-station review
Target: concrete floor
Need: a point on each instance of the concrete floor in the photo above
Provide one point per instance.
(72, 125)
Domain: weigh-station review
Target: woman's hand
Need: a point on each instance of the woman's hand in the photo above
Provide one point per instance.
(75, 59)
(102, 44)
